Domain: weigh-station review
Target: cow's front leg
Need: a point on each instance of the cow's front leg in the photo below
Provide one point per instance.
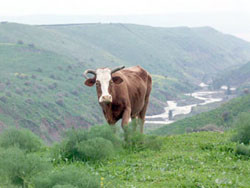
(125, 120)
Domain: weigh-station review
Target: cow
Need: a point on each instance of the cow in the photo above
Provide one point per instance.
(123, 93)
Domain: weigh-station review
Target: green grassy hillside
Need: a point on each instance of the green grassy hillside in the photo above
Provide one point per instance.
(223, 116)
(190, 160)
(179, 52)
(239, 77)
(41, 87)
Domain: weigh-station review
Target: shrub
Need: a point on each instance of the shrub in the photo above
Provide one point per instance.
(19, 91)
(75, 92)
(2, 86)
(208, 127)
(136, 141)
(52, 76)
(20, 42)
(243, 128)
(29, 101)
(99, 142)
(69, 176)
(31, 45)
(8, 94)
(19, 167)
(67, 149)
(96, 149)
(60, 102)
(33, 76)
(106, 132)
(22, 138)
(39, 70)
(3, 99)
(241, 149)
(27, 83)
(53, 86)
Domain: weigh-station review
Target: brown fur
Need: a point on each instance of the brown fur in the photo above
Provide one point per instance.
(130, 97)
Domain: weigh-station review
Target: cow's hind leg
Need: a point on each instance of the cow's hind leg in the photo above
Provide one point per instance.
(134, 123)
(142, 114)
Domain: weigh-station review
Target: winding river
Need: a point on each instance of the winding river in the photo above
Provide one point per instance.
(206, 97)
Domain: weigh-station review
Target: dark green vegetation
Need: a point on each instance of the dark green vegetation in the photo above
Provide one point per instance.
(204, 159)
(242, 135)
(223, 116)
(22, 139)
(243, 129)
(41, 87)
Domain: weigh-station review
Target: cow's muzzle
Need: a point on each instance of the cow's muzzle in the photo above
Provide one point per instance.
(105, 99)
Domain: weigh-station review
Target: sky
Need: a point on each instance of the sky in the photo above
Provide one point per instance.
(229, 16)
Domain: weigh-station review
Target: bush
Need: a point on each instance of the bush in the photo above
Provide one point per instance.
(19, 167)
(99, 142)
(243, 128)
(21, 138)
(3, 99)
(208, 127)
(67, 149)
(138, 142)
(53, 86)
(60, 102)
(107, 133)
(69, 177)
(241, 149)
(96, 149)
(20, 42)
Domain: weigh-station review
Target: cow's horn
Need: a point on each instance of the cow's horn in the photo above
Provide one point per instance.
(117, 69)
(89, 71)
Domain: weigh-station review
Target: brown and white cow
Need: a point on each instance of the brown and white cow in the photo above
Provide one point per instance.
(122, 93)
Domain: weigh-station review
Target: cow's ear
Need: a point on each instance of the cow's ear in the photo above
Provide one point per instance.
(117, 79)
(90, 82)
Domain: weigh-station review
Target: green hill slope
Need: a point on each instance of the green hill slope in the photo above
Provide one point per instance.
(222, 116)
(41, 87)
(42, 91)
(188, 52)
(190, 160)
(239, 77)
(204, 159)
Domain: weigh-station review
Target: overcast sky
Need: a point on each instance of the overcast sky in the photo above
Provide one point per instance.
(229, 16)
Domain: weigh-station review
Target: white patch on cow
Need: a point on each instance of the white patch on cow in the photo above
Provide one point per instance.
(104, 77)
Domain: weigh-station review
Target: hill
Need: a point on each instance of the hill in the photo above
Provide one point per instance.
(222, 116)
(41, 87)
(238, 77)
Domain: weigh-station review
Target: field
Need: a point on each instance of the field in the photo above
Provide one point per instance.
(190, 160)
(204, 159)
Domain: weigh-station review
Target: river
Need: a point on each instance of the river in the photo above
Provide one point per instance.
(205, 96)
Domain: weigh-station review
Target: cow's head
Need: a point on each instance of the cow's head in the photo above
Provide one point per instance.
(104, 81)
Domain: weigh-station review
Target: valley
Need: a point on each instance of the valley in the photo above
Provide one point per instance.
(204, 97)
(41, 83)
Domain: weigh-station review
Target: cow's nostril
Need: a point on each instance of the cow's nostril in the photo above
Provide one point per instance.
(106, 98)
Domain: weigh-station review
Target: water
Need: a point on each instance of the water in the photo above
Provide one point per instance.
(205, 96)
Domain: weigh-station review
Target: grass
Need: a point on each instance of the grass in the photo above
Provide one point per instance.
(191, 160)
(205, 159)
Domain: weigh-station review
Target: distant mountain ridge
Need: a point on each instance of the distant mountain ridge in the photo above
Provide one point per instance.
(41, 87)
